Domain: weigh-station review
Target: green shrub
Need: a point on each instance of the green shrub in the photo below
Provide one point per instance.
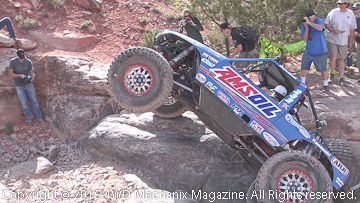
(45, 14)
(101, 14)
(126, 4)
(85, 24)
(169, 16)
(26, 23)
(143, 20)
(149, 36)
(9, 128)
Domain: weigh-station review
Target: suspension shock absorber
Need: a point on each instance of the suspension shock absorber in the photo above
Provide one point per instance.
(182, 55)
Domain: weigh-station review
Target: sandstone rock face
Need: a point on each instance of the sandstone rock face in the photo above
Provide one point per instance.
(68, 42)
(72, 93)
(190, 161)
(92, 5)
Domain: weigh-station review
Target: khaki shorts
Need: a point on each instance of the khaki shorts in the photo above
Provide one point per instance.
(334, 50)
(245, 54)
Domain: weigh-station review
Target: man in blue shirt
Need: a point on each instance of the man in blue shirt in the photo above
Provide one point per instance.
(313, 33)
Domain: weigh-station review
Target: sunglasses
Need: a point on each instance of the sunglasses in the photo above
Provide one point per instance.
(187, 16)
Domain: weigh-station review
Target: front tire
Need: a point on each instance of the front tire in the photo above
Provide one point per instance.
(292, 171)
(341, 150)
(140, 80)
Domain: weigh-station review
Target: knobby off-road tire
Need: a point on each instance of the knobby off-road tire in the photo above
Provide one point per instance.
(343, 152)
(292, 171)
(140, 79)
(172, 108)
(251, 194)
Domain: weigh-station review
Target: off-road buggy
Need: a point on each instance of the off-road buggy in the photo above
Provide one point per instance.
(281, 142)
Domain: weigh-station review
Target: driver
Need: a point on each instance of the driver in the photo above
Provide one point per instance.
(279, 93)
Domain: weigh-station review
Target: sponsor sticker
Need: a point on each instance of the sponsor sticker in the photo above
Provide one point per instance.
(237, 109)
(223, 97)
(340, 166)
(293, 122)
(271, 139)
(201, 78)
(211, 86)
(257, 127)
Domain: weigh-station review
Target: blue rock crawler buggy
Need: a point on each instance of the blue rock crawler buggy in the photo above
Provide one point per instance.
(285, 152)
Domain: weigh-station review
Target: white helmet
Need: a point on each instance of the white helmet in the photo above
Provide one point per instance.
(281, 90)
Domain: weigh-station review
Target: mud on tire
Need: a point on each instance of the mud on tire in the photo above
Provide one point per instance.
(140, 79)
(292, 171)
(170, 109)
(343, 152)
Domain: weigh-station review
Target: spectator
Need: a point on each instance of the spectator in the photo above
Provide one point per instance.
(356, 9)
(21, 69)
(244, 48)
(340, 22)
(313, 33)
(192, 26)
(7, 21)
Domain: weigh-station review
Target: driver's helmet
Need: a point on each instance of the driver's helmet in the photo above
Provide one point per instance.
(279, 93)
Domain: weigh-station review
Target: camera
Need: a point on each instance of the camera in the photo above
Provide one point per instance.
(187, 20)
(303, 20)
(26, 80)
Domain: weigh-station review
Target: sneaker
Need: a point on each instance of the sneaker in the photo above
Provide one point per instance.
(42, 121)
(342, 80)
(28, 123)
(326, 89)
(331, 78)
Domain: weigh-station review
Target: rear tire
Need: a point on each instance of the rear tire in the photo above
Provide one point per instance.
(341, 150)
(290, 171)
(140, 80)
(172, 108)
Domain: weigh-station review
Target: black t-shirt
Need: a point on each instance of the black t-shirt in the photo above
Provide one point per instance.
(358, 29)
(239, 39)
(21, 68)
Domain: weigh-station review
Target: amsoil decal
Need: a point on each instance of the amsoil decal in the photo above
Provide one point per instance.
(340, 166)
(258, 128)
(271, 139)
(244, 89)
(201, 78)
(223, 97)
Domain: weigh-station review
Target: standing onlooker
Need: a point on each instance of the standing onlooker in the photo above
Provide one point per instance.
(7, 21)
(21, 69)
(243, 47)
(312, 32)
(192, 26)
(356, 9)
(340, 22)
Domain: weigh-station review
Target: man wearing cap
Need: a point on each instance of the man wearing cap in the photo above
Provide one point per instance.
(356, 10)
(21, 69)
(244, 48)
(312, 32)
(340, 22)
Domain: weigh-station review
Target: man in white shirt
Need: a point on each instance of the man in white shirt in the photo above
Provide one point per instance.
(340, 22)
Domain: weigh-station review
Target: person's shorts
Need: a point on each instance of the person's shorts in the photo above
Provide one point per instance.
(339, 51)
(319, 60)
(245, 54)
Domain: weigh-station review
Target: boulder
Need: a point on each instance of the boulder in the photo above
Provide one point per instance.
(68, 42)
(92, 5)
(189, 161)
(6, 41)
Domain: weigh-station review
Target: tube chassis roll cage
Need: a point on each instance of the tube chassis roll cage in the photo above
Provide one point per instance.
(229, 103)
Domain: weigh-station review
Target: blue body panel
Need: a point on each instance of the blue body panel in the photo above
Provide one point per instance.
(269, 119)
